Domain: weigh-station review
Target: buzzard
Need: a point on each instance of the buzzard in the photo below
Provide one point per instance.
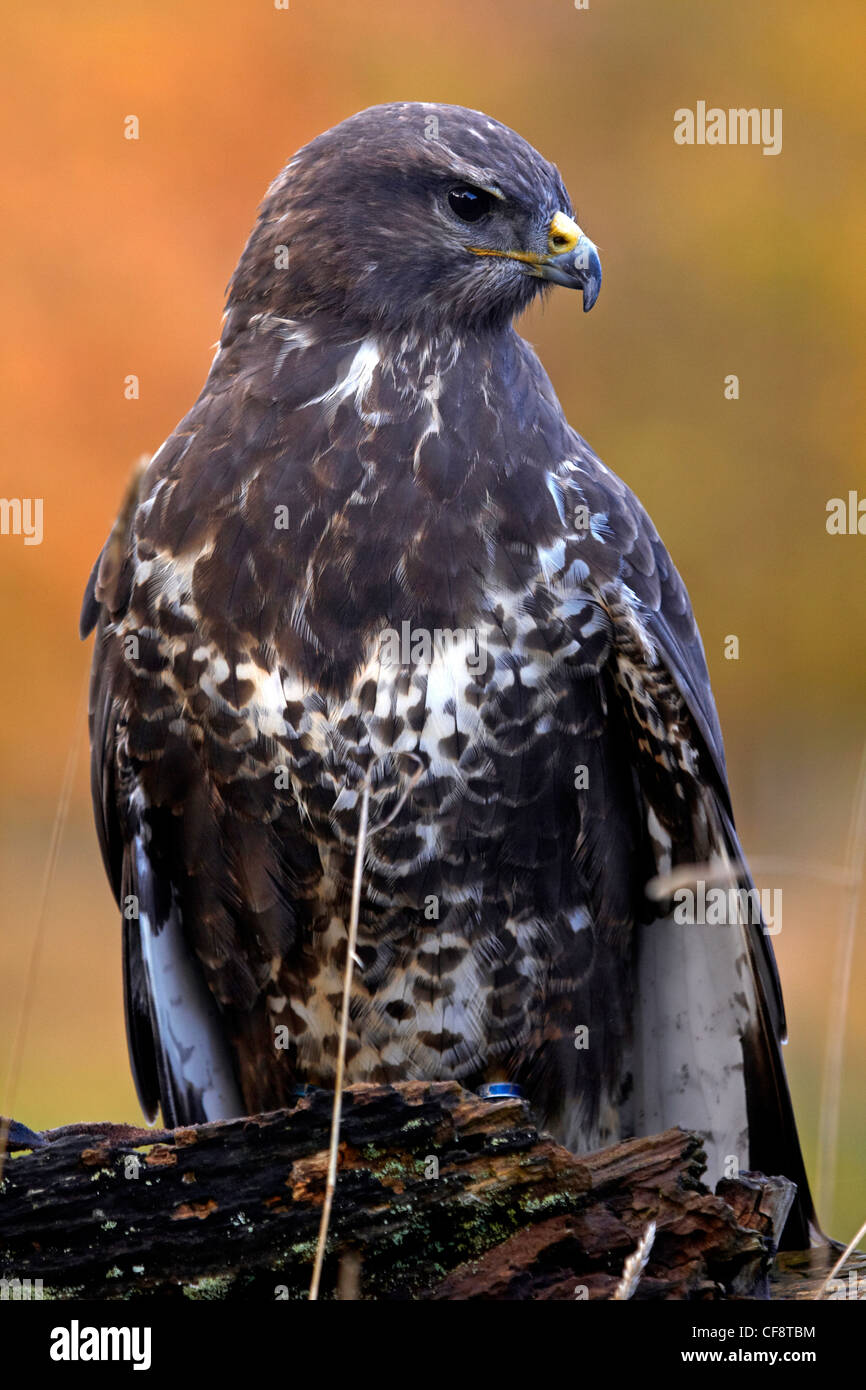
(374, 554)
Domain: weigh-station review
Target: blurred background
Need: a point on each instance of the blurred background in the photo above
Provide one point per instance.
(717, 260)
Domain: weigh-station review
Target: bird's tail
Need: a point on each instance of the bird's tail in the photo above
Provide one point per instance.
(709, 1029)
(180, 1058)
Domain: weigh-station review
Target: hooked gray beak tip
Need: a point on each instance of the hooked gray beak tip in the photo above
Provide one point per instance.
(592, 282)
(577, 269)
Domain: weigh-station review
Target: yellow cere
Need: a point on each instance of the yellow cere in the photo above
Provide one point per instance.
(563, 234)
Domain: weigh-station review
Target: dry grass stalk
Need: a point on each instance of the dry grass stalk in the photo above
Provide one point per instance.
(334, 1148)
(635, 1265)
(16, 1055)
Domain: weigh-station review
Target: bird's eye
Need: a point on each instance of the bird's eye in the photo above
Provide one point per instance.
(470, 204)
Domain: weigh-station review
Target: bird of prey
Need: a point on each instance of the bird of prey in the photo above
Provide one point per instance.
(375, 554)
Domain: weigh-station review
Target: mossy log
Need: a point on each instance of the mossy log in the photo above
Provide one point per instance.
(441, 1195)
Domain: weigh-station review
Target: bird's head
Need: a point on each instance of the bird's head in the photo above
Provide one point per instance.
(414, 216)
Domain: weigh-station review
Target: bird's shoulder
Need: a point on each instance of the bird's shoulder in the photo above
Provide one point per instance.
(610, 542)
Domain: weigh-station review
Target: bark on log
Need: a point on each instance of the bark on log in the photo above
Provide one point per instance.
(441, 1195)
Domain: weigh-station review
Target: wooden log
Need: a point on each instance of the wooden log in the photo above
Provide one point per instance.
(441, 1195)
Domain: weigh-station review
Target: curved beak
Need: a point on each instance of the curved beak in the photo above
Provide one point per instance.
(577, 266)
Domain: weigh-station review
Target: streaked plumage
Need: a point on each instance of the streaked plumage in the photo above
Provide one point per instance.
(376, 447)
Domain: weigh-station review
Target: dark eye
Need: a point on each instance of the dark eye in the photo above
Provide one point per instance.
(470, 204)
